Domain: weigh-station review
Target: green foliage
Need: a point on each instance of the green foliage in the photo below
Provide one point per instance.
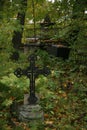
(36, 125)
(3, 124)
(63, 94)
(18, 128)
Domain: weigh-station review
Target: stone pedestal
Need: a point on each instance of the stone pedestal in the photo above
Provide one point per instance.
(29, 113)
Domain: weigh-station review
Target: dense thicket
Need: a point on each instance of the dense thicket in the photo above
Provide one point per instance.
(63, 94)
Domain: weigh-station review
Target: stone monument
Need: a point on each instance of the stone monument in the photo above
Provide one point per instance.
(30, 109)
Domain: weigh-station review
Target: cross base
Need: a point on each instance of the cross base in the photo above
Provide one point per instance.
(32, 99)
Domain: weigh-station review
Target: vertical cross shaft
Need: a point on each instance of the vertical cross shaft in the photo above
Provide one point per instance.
(32, 97)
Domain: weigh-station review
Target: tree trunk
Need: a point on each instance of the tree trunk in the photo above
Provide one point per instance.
(17, 36)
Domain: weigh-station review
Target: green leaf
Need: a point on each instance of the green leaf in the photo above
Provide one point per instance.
(7, 102)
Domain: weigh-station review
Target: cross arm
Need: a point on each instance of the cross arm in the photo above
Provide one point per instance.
(18, 72)
(45, 71)
(26, 72)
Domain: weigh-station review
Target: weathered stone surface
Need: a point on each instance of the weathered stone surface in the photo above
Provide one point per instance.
(30, 112)
(26, 96)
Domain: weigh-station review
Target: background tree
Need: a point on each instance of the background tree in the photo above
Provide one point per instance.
(17, 37)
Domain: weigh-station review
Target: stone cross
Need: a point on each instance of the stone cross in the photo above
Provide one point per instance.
(32, 73)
